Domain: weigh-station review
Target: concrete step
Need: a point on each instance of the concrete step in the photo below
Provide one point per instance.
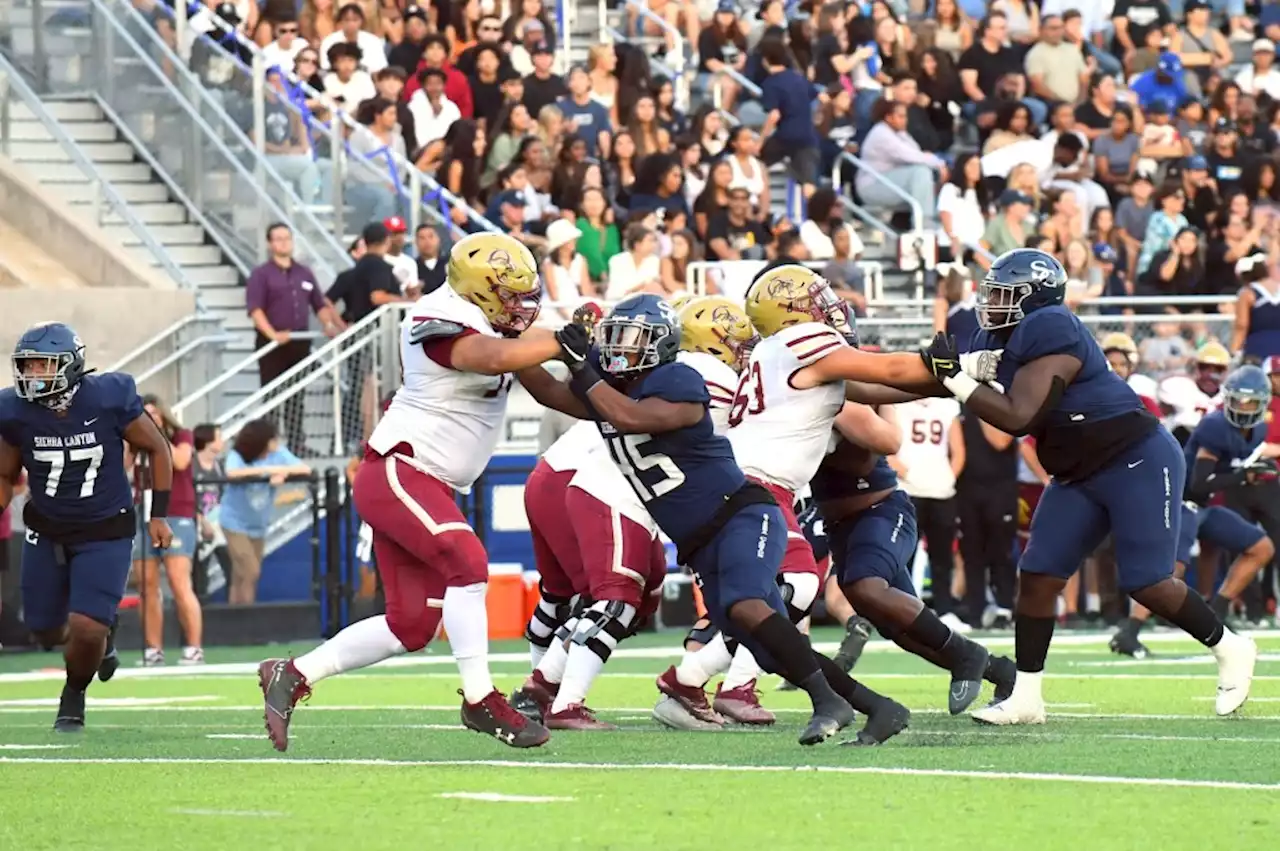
(82, 192)
(170, 236)
(151, 214)
(218, 298)
(214, 276)
(115, 173)
(82, 131)
(184, 255)
(51, 152)
(62, 110)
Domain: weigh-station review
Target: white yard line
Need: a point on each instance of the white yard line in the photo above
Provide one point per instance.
(677, 767)
(35, 747)
(113, 702)
(231, 813)
(499, 798)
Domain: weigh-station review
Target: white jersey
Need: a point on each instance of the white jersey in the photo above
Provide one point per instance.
(926, 428)
(450, 419)
(598, 475)
(1189, 402)
(780, 434)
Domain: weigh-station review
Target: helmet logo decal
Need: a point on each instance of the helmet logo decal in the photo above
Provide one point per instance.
(1043, 273)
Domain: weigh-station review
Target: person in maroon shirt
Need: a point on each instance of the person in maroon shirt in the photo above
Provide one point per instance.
(457, 88)
(180, 553)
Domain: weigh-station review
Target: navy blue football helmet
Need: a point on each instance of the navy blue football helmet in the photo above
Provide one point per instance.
(641, 333)
(47, 362)
(1245, 396)
(1020, 281)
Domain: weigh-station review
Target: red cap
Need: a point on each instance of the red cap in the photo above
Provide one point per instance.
(1271, 365)
(395, 224)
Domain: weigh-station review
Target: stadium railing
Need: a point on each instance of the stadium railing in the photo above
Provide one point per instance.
(16, 95)
(177, 359)
(184, 132)
(673, 67)
(732, 277)
(846, 158)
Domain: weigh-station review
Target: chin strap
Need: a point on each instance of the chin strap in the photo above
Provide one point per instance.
(62, 401)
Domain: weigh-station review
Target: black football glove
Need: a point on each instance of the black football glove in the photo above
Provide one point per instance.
(574, 342)
(942, 357)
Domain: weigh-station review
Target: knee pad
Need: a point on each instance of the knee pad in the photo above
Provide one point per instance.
(416, 631)
(702, 632)
(603, 625)
(799, 590)
(550, 614)
(577, 605)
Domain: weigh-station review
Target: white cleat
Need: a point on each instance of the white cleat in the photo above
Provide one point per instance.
(669, 713)
(1024, 706)
(956, 625)
(1236, 661)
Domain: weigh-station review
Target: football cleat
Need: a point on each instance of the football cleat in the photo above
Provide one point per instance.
(1018, 709)
(825, 724)
(533, 699)
(670, 712)
(887, 721)
(857, 632)
(1237, 656)
(110, 657)
(70, 712)
(1127, 643)
(282, 688)
(692, 698)
(742, 704)
(966, 677)
(1002, 673)
(953, 622)
(575, 716)
(493, 716)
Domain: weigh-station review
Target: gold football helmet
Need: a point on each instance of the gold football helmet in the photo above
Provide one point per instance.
(497, 274)
(792, 294)
(681, 300)
(718, 327)
(1213, 354)
(1119, 342)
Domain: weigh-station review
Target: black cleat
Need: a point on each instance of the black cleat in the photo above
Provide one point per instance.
(1126, 643)
(70, 712)
(282, 687)
(1002, 673)
(857, 632)
(494, 716)
(827, 722)
(966, 677)
(887, 721)
(110, 657)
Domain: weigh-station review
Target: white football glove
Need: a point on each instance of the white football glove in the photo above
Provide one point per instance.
(981, 366)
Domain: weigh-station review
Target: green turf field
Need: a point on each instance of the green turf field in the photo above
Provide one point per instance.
(1132, 757)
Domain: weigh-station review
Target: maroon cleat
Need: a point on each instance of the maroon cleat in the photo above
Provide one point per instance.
(493, 716)
(575, 716)
(742, 704)
(282, 688)
(692, 698)
(533, 699)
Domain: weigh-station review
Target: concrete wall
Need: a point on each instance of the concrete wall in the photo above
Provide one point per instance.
(124, 302)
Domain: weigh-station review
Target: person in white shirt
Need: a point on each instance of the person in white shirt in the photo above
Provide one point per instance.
(564, 271)
(1261, 77)
(373, 50)
(959, 210)
(637, 269)
(346, 85)
(817, 232)
(433, 113)
(890, 151)
(285, 49)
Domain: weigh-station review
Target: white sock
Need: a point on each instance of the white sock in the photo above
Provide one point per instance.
(581, 671)
(742, 670)
(557, 656)
(536, 653)
(467, 622)
(1027, 687)
(704, 663)
(357, 646)
(1229, 640)
(1092, 602)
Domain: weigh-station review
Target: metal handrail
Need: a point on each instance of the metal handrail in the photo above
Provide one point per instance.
(401, 163)
(157, 339)
(10, 77)
(234, 370)
(181, 352)
(917, 213)
(306, 363)
(865, 217)
(192, 208)
(211, 135)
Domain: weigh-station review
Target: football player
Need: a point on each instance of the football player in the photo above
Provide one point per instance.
(68, 428)
(1115, 469)
(1190, 397)
(729, 531)
(787, 406)
(593, 536)
(459, 346)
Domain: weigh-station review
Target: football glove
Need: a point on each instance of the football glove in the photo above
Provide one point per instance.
(574, 342)
(981, 366)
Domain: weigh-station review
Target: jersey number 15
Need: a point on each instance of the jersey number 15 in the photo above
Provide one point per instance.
(58, 461)
(629, 453)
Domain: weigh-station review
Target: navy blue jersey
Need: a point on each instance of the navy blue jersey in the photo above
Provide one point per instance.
(1098, 414)
(75, 458)
(840, 474)
(683, 476)
(1223, 440)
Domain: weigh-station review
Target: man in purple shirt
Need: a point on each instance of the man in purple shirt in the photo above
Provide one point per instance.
(279, 296)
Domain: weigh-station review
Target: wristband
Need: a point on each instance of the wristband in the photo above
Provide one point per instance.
(583, 379)
(159, 504)
(961, 386)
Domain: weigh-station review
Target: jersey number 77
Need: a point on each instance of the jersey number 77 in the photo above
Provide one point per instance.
(58, 460)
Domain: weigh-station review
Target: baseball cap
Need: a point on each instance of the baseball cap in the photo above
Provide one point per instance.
(1195, 163)
(511, 197)
(541, 47)
(533, 25)
(1144, 176)
(1104, 253)
(1159, 106)
(1271, 365)
(730, 6)
(415, 12)
(1194, 6)
(1169, 63)
(1013, 196)
(1224, 125)
(395, 224)
(1264, 45)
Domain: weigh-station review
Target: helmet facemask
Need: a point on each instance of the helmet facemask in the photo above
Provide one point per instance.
(518, 311)
(629, 346)
(822, 303)
(1245, 408)
(999, 304)
(42, 376)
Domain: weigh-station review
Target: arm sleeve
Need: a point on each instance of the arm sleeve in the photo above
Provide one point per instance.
(1205, 482)
(768, 96)
(255, 291)
(338, 292)
(317, 297)
(676, 383)
(234, 462)
(282, 457)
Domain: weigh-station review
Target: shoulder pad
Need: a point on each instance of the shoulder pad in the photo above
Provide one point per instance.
(675, 382)
(426, 330)
(810, 342)
(720, 379)
(1047, 331)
